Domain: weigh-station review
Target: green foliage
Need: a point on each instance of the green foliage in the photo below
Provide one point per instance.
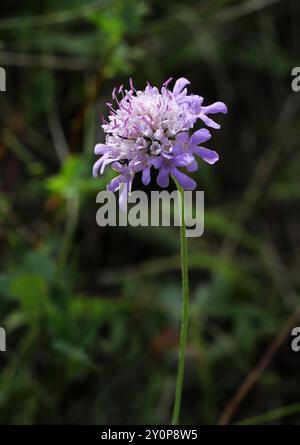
(92, 314)
(74, 179)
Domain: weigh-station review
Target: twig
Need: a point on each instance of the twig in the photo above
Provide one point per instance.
(77, 123)
(242, 9)
(253, 193)
(256, 373)
(55, 127)
(221, 17)
(53, 18)
(263, 170)
(48, 61)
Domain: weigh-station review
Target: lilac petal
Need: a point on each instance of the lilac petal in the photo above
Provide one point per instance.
(115, 183)
(177, 149)
(146, 177)
(200, 136)
(167, 155)
(182, 137)
(100, 149)
(179, 85)
(96, 167)
(207, 155)
(183, 160)
(156, 162)
(137, 166)
(193, 166)
(209, 122)
(194, 102)
(163, 177)
(217, 107)
(100, 161)
(181, 97)
(105, 163)
(185, 181)
(118, 167)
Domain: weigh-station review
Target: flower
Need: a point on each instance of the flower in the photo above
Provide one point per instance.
(153, 128)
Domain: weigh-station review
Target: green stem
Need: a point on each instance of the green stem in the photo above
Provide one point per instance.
(185, 307)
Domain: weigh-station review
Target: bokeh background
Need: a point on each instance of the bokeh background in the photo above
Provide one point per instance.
(91, 314)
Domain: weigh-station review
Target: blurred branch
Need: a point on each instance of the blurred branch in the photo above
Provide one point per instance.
(54, 18)
(17, 147)
(289, 295)
(55, 125)
(277, 413)
(57, 134)
(255, 190)
(256, 373)
(48, 61)
(245, 8)
(223, 16)
(92, 91)
(72, 215)
(197, 261)
(280, 141)
(8, 216)
(280, 275)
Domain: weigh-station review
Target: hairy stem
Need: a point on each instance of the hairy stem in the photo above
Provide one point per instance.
(185, 307)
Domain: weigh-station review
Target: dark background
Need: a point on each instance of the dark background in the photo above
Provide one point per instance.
(91, 314)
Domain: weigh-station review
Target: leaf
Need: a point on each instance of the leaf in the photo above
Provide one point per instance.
(75, 179)
(73, 353)
(30, 290)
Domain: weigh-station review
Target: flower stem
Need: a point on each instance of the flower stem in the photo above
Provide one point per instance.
(185, 307)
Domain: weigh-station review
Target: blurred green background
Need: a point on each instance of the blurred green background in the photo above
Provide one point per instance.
(91, 314)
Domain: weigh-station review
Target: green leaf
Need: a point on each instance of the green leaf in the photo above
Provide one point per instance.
(73, 353)
(30, 290)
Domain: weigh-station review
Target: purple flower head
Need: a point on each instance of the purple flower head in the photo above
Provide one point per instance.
(153, 128)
